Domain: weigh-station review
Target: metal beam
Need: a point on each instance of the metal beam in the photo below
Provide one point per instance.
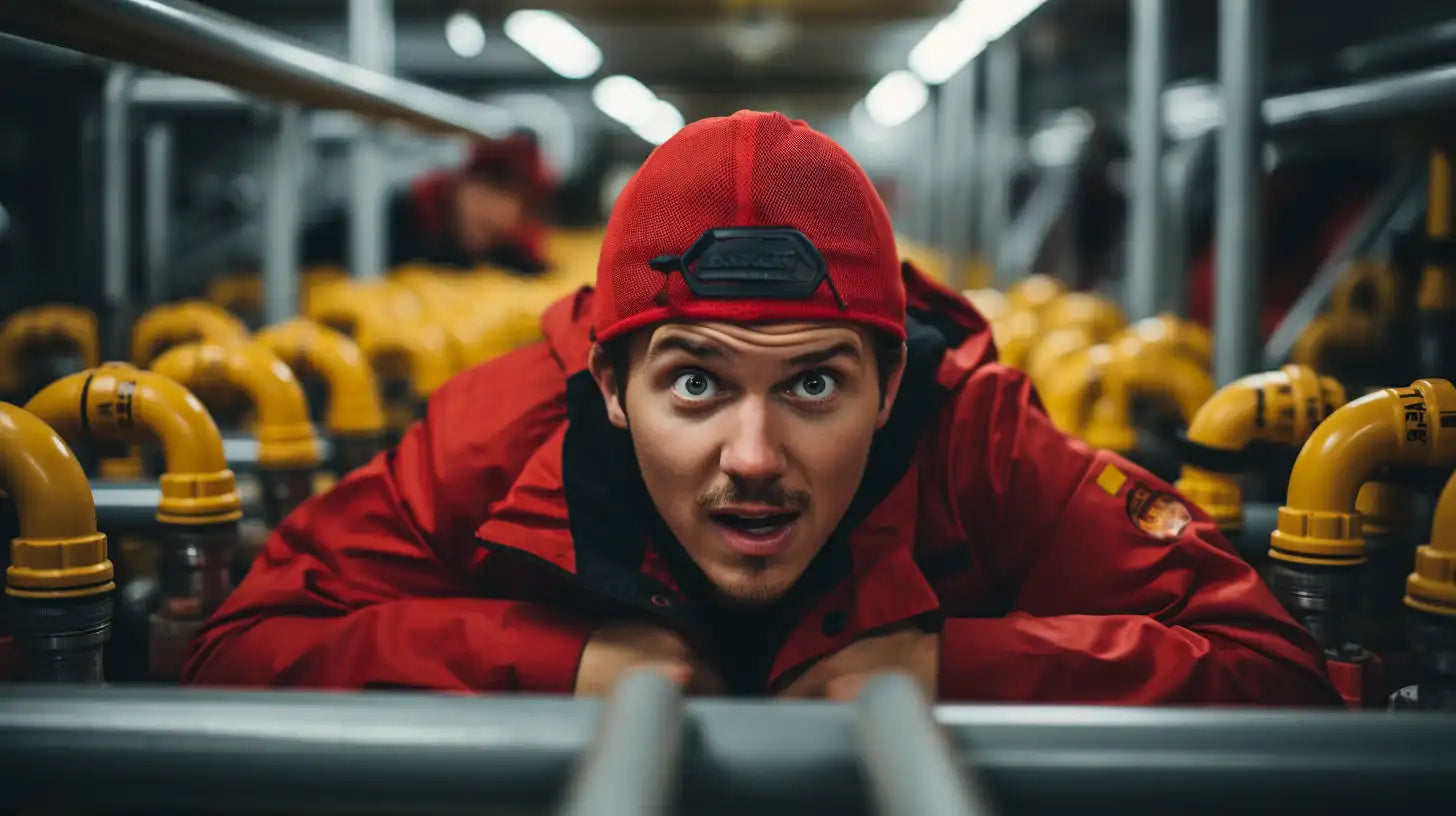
(116, 208)
(907, 761)
(188, 39)
(1002, 94)
(158, 157)
(955, 173)
(280, 233)
(630, 768)
(1146, 278)
(196, 750)
(1241, 67)
(371, 45)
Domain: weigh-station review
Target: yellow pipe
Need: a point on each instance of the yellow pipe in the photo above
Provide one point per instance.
(1034, 292)
(285, 437)
(1099, 316)
(118, 403)
(42, 324)
(1438, 284)
(354, 408)
(1432, 586)
(1376, 281)
(1185, 337)
(59, 553)
(1394, 426)
(1071, 388)
(1332, 337)
(186, 322)
(1015, 334)
(1278, 407)
(422, 348)
(1054, 347)
(989, 302)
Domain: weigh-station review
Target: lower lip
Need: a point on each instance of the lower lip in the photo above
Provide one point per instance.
(758, 546)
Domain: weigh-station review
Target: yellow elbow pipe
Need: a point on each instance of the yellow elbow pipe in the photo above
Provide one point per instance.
(59, 553)
(118, 403)
(1071, 388)
(185, 322)
(1368, 287)
(42, 324)
(1413, 426)
(1278, 407)
(423, 348)
(1350, 333)
(1034, 293)
(1437, 291)
(1181, 336)
(1099, 316)
(1054, 347)
(1432, 586)
(286, 440)
(354, 408)
(989, 302)
(1015, 334)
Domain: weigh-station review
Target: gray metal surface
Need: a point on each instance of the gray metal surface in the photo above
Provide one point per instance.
(280, 232)
(955, 154)
(1146, 278)
(116, 193)
(907, 761)
(1399, 205)
(166, 91)
(371, 46)
(1241, 68)
(630, 767)
(1414, 94)
(405, 753)
(158, 155)
(1002, 94)
(1183, 173)
(188, 39)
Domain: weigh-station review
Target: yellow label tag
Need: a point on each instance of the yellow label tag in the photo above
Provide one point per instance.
(1111, 480)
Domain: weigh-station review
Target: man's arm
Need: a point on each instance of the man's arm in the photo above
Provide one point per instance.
(1104, 608)
(369, 585)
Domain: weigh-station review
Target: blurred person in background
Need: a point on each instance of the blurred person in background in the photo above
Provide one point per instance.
(488, 212)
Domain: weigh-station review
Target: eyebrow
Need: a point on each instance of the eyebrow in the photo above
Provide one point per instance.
(679, 343)
(824, 355)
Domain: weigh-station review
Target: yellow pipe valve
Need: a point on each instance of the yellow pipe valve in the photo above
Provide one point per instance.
(1432, 586)
(45, 324)
(354, 408)
(59, 553)
(118, 403)
(1278, 407)
(286, 439)
(185, 322)
(1413, 426)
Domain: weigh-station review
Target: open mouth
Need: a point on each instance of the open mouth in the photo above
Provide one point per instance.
(755, 524)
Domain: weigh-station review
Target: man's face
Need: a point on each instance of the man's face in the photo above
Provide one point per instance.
(752, 440)
(486, 214)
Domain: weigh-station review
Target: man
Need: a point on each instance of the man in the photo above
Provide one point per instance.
(741, 461)
(486, 212)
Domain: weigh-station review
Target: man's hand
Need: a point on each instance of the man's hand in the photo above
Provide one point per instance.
(618, 649)
(840, 676)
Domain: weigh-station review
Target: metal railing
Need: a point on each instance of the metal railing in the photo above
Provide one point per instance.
(197, 750)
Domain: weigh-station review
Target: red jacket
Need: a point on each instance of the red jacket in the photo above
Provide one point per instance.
(452, 562)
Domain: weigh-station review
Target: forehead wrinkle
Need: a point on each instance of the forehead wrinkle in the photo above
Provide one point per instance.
(801, 337)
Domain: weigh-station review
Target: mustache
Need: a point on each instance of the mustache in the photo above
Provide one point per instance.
(770, 493)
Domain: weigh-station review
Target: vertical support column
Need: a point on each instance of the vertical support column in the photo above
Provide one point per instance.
(115, 206)
(371, 45)
(630, 768)
(158, 150)
(280, 236)
(1002, 98)
(1145, 280)
(1241, 60)
(906, 758)
(953, 176)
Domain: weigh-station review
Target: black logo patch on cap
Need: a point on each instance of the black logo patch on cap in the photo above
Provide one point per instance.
(751, 262)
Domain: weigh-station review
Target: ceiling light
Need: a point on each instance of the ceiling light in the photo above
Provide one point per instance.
(464, 34)
(548, 37)
(624, 99)
(660, 124)
(963, 34)
(896, 98)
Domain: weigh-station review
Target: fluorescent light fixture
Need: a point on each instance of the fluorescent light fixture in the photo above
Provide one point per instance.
(895, 98)
(1191, 110)
(548, 37)
(965, 33)
(464, 34)
(624, 99)
(1058, 144)
(660, 123)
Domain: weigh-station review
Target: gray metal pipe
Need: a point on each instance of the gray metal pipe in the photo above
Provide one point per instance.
(1003, 64)
(630, 767)
(158, 157)
(1241, 63)
(1146, 279)
(280, 234)
(116, 185)
(188, 39)
(198, 750)
(907, 761)
(954, 171)
(371, 45)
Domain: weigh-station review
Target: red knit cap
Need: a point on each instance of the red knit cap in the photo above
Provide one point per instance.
(748, 170)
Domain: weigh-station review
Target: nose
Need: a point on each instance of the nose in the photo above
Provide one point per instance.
(752, 451)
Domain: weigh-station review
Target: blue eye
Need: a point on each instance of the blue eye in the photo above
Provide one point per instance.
(815, 386)
(694, 386)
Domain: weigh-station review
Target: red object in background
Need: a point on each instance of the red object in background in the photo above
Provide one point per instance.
(1361, 683)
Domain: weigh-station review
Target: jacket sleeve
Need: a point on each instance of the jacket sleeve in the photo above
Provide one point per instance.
(1115, 595)
(370, 584)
